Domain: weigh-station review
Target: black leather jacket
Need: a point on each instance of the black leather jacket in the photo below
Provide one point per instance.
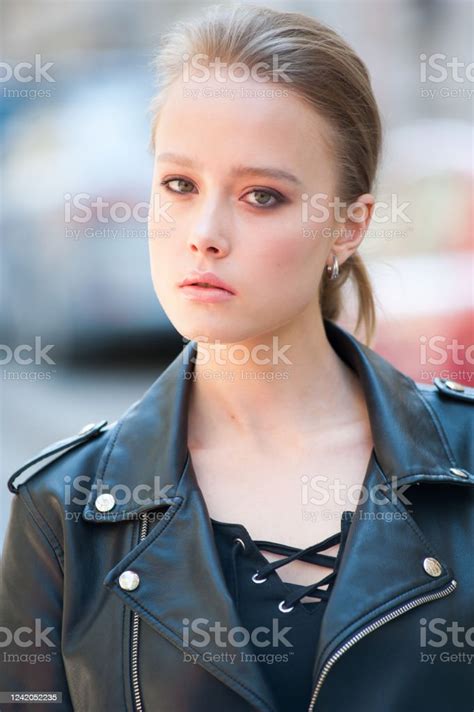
(124, 498)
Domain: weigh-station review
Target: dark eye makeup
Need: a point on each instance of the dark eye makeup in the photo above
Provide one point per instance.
(277, 197)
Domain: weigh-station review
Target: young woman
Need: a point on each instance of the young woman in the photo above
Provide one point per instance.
(206, 551)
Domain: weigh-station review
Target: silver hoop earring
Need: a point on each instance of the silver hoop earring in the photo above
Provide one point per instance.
(334, 268)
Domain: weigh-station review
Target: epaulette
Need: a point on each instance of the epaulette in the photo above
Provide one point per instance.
(89, 431)
(453, 389)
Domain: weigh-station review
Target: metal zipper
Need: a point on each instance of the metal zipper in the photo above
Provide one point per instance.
(373, 626)
(135, 628)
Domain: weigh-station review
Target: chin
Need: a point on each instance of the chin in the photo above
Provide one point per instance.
(209, 330)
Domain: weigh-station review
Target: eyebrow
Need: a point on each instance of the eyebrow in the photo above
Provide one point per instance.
(237, 171)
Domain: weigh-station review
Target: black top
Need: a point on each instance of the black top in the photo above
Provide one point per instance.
(287, 661)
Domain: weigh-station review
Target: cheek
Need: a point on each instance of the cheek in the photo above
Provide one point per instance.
(285, 266)
(287, 254)
(153, 254)
(161, 263)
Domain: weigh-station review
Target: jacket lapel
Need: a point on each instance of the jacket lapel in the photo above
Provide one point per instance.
(180, 573)
(181, 579)
(382, 564)
(381, 567)
(182, 584)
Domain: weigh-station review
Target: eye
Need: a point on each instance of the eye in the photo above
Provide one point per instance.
(188, 186)
(265, 198)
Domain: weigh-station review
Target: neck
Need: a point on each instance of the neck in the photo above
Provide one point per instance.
(299, 390)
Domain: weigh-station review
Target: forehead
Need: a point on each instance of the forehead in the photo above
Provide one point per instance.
(216, 120)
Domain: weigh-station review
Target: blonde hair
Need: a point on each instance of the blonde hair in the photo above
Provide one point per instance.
(324, 71)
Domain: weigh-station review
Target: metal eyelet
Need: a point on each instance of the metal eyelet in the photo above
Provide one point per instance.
(255, 578)
(281, 607)
(241, 541)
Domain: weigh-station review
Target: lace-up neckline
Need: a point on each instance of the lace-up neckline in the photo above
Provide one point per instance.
(264, 602)
(244, 545)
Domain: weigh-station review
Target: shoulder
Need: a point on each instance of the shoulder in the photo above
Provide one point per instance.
(47, 485)
(449, 389)
(448, 397)
(91, 434)
(451, 404)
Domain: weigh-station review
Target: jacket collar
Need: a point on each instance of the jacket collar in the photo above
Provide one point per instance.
(150, 442)
(147, 449)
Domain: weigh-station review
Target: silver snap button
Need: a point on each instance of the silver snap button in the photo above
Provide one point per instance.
(129, 580)
(105, 502)
(432, 566)
(456, 471)
(86, 428)
(454, 386)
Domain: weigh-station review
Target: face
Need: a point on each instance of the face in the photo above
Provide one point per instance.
(231, 201)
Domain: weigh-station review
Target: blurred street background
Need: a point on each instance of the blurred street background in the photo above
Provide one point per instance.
(81, 126)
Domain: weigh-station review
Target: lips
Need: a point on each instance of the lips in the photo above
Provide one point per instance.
(206, 284)
(206, 280)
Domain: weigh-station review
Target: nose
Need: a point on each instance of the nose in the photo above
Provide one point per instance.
(208, 235)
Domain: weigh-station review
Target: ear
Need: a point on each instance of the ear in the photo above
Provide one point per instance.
(350, 231)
